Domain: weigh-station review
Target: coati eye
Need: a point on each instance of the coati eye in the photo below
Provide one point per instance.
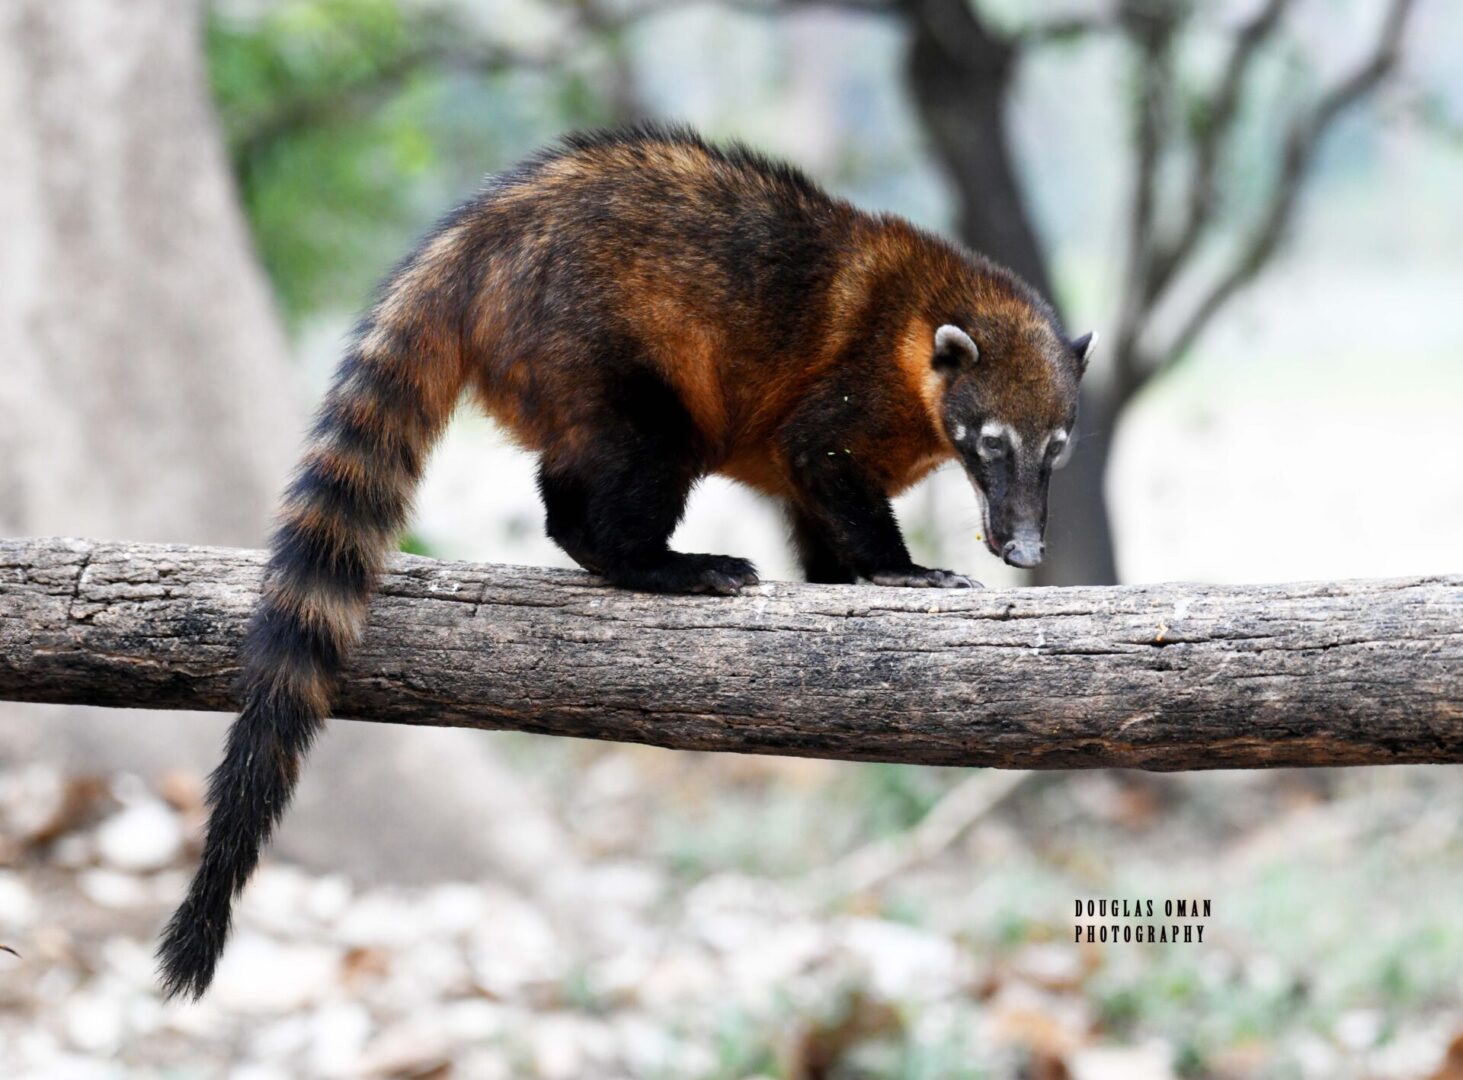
(992, 445)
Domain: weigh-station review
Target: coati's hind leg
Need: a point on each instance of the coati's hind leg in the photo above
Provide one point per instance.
(616, 519)
(614, 507)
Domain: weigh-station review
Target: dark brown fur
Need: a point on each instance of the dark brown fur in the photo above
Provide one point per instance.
(744, 284)
(641, 309)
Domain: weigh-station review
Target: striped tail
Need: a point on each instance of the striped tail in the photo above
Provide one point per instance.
(349, 499)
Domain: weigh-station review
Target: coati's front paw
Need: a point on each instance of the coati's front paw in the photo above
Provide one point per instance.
(917, 577)
(722, 575)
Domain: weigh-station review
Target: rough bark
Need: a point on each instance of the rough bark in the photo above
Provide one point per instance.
(1157, 677)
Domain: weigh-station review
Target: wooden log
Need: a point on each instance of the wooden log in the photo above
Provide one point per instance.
(1175, 676)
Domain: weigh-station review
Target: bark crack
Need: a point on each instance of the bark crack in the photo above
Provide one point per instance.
(81, 573)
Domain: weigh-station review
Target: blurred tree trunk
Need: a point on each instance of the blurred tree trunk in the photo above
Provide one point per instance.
(146, 386)
(146, 390)
(960, 73)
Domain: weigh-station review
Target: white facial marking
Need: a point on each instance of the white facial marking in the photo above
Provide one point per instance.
(960, 432)
(998, 429)
(1063, 442)
(950, 337)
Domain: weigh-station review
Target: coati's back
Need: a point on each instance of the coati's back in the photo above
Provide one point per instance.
(657, 218)
(736, 277)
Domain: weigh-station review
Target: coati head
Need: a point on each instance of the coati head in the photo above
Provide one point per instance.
(1009, 404)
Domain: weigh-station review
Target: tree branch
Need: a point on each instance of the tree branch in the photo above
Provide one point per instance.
(1152, 27)
(1063, 28)
(1156, 677)
(1302, 144)
(371, 91)
(1220, 113)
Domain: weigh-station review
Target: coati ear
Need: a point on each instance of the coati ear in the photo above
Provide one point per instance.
(953, 348)
(1083, 348)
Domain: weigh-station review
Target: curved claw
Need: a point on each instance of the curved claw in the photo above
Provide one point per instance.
(920, 578)
(725, 575)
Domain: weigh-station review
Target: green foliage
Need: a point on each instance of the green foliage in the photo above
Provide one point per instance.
(579, 993)
(413, 544)
(782, 830)
(897, 797)
(741, 1048)
(352, 124)
(322, 107)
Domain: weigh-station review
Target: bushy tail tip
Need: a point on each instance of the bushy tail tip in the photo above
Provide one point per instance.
(192, 944)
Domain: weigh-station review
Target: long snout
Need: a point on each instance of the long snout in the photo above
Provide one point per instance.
(1025, 549)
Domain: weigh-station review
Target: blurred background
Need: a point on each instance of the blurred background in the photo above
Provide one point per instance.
(1255, 202)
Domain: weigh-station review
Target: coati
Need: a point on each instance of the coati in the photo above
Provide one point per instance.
(642, 309)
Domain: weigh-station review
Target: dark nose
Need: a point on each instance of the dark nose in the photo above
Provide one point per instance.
(1023, 551)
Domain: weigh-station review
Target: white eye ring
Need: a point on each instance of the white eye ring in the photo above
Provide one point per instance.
(1063, 455)
(997, 440)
